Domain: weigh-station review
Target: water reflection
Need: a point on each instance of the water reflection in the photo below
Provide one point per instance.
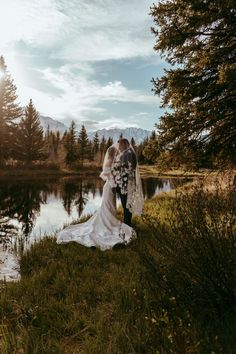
(35, 207)
(30, 209)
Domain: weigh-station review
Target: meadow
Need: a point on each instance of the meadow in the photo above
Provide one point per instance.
(172, 290)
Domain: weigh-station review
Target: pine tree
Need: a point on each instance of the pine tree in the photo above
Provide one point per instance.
(152, 150)
(9, 110)
(198, 39)
(90, 150)
(153, 135)
(55, 142)
(133, 143)
(95, 145)
(140, 149)
(83, 144)
(102, 148)
(70, 145)
(28, 137)
(52, 144)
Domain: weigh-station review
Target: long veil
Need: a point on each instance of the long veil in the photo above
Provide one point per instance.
(135, 199)
(109, 157)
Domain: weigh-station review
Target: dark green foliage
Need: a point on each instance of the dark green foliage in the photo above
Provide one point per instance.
(95, 144)
(133, 143)
(102, 149)
(142, 158)
(52, 144)
(89, 154)
(152, 149)
(83, 142)
(198, 39)
(28, 145)
(70, 145)
(9, 111)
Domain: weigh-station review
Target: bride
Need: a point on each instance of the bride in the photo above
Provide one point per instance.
(103, 230)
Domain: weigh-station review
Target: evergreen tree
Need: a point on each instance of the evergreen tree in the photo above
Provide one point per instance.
(133, 143)
(102, 148)
(151, 151)
(28, 137)
(70, 145)
(9, 110)
(52, 145)
(95, 145)
(83, 144)
(198, 40)
(153, 135)
(140, 149)
(55, 142)
(89, 154)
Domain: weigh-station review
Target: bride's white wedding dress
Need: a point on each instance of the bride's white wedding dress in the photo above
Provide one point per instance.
(103, 230)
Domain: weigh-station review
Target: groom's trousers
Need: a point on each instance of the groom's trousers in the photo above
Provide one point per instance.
(127, 213)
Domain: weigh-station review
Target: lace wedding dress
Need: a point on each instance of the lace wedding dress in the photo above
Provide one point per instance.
(103, 230)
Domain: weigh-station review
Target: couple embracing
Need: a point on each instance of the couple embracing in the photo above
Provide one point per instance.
(103, 230)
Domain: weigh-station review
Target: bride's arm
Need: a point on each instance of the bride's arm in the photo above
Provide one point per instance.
(105, 173)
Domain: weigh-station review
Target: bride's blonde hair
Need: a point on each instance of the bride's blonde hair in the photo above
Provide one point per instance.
(112, 152)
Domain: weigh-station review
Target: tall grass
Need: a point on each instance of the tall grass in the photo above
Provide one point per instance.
(170, 291)
(190, 261)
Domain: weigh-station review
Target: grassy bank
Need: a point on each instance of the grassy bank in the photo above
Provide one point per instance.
(145, 170)
(172, 290)
(154, 171)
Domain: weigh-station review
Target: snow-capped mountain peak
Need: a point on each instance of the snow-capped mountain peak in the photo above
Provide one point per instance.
(52, 124)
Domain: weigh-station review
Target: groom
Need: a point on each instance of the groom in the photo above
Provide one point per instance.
(123, 170)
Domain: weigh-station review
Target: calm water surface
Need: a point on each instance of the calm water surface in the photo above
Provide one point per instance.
(31, 209)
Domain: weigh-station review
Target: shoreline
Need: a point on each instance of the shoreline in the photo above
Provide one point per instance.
(47, 172)
(145, 171)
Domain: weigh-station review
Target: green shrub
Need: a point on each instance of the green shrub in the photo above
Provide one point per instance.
(190, 261)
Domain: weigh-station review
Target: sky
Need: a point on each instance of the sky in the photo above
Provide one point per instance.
(87, 60)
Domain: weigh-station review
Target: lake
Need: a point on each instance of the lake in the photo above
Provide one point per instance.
(31, 209)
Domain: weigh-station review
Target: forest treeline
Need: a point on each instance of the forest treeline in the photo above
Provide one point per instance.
(23, 141)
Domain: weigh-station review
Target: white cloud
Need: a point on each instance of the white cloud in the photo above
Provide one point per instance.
(105, 29)
(36, 22)
(80, 94)
(79, 29)
(79, 33)
(110, 123)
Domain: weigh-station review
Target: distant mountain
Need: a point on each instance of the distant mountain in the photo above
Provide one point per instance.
(138, 134)
(54, 125)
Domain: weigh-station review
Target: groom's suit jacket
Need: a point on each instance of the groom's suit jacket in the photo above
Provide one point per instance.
(129, 156)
